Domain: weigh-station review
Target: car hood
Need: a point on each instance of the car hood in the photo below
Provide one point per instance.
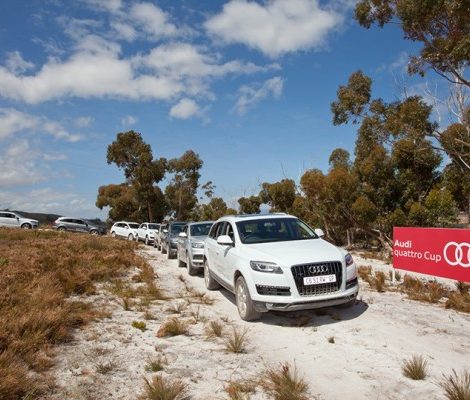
(34, 221)
(198, 239)
(296, 252)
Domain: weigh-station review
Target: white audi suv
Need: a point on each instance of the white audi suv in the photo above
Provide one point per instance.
(277, 262)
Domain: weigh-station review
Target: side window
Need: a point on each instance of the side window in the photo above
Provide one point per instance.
(221, 230)
(3, 215)
(230, 232)
(213, 231)
(9, 215)
(80, 222)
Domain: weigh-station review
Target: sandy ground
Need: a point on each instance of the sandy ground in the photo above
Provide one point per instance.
(108, 358)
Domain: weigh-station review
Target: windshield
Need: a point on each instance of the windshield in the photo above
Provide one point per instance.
(177, 228)
(134, 226)
(274, 230)
(200, 229)
(153, 226)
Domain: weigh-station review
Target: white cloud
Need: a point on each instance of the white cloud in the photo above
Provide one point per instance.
(184, 109)
(96, 70)
(16, 64)
(128, 120)
(249, 96)
(52, 201)
(152, 20)
(124, 31)
(275, 27)
(19, 165)
(13, 121)
(112, 6)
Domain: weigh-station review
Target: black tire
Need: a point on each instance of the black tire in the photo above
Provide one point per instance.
(146, 241)
(113, 234)
(94, 232)
(181, 264)
(26, 226)
(61, 229)
(130, 237)
(169, 255)
(246, 308)
(191, 270)
(163, 249)
(211, 283)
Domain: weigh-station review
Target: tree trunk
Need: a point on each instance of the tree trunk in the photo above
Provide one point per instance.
(150, 213)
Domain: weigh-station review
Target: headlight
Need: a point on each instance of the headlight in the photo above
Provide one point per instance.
(263, 266)
(197, 245)
(348, 259)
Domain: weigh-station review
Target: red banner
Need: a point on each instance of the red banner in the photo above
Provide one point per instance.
(433, 251)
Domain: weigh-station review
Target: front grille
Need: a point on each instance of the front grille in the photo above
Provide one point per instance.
(317, 269)
(350, 284)
(273, 290)
(198, 257)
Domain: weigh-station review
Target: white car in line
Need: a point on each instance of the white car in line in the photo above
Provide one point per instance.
(15, 220)
(277, 262)
(147, 232)
(125, 229)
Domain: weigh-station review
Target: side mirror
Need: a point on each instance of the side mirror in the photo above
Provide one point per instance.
(225, 240)
(17, 218)
(319, 232)
(183, 235)
(127, 227)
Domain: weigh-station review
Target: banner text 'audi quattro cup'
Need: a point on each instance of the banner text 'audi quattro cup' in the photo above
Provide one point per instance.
(433, 251)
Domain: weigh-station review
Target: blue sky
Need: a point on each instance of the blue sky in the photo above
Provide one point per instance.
(247, 85)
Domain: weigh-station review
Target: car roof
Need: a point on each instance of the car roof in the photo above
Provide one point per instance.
(248, 217)
(200, 222)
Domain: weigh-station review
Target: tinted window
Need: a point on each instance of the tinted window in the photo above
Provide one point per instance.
(230, 232)
(274, 230)
(200, 229)
(177, 228)
(221, 229)
(134, 226)
(153, 226)
(213, 230)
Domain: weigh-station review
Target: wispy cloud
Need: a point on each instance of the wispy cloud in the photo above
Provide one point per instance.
(249, 96)
(184, 109)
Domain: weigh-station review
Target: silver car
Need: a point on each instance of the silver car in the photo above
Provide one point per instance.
(15, 220)
(191, 245)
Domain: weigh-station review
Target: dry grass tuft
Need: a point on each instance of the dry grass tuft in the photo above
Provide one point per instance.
(177, 308)
(430, 292)
(173, 327)
(44, 269)
(331, 339)
(214, 329)
(415, 368)
(285, 384)
(236, 342)
(365, 273)
(456, 387)
(462, 287)
(240, 390)
(161, 388)
(157, 364)
(458, 301)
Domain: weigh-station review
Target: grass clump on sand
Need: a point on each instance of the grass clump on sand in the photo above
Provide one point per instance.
(173, 327)
(456, 387)
(284, 383)
(236, 342)
(161, 388)
(415, 368)
(38, 272)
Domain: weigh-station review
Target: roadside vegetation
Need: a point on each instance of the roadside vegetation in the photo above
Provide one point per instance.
(418, 289)
(39, 272)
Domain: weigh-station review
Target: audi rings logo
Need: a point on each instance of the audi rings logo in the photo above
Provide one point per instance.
(317, 269)
(457, 254)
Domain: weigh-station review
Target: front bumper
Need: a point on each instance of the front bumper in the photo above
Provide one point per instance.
(196, 256)
(283, 293)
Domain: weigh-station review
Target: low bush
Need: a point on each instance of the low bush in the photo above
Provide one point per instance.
(236, 342)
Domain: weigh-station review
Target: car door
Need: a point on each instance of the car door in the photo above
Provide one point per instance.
(218, 249)
(181, 244)
(211, 246)
(79, 225)
(227, 256)
(7, 219)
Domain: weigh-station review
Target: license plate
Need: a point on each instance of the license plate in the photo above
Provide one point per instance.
(318, 280)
